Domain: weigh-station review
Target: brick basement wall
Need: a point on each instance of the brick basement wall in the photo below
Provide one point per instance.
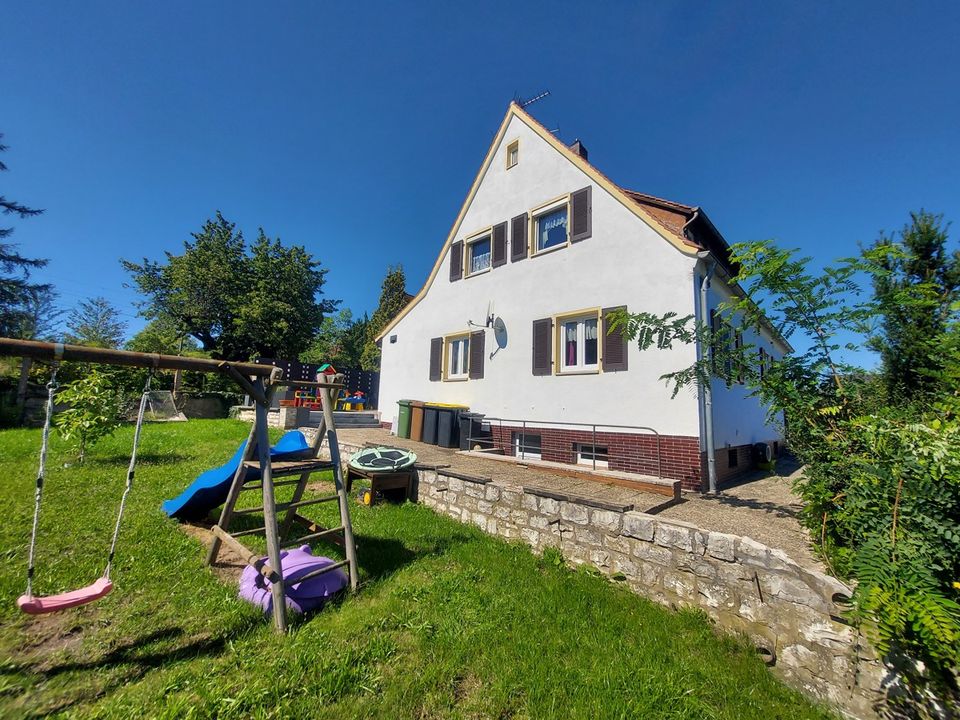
(789, 612)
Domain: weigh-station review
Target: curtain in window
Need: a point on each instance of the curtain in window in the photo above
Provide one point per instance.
(590, 342)
(570, 343)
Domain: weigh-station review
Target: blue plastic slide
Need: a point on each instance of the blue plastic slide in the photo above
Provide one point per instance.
(210, 489)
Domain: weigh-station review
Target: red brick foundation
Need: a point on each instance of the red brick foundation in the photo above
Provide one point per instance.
(679, 455)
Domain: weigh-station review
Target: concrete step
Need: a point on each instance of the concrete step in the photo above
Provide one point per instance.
(347, 419)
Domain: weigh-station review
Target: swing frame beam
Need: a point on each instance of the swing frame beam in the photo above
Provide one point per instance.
(264, 379)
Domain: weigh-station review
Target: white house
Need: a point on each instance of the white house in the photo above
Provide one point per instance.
(549, 245)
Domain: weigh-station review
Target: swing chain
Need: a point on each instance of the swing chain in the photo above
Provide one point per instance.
(52, 388)
(130, 471)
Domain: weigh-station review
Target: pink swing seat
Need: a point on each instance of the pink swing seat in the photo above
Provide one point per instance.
(63, 601)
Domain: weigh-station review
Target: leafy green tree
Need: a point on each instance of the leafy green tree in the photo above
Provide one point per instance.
(162, 335)
(909, 338)
(881, 486)
(340, 341)
(95, 323)
(40, 318)
(93, 412)
(393, 298)
(237, 302)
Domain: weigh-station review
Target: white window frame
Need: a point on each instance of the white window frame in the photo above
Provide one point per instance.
(526, 454)
(535, 216)
(581, 367)
(579, 448)
(459, 344)
(468, 254)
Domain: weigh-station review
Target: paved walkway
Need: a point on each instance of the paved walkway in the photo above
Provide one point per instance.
(762, 506)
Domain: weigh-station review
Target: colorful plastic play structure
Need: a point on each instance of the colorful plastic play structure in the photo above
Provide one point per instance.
(301, 597)
(210, 489)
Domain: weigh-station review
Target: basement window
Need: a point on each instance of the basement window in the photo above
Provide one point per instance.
(592, 455)
(732, 459)
(527, 446)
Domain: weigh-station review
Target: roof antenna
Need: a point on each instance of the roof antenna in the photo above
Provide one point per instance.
(523, 103)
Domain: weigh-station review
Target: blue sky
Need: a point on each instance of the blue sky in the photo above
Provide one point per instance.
(356, 130)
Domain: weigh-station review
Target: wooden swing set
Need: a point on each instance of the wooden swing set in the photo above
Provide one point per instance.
(259, 382)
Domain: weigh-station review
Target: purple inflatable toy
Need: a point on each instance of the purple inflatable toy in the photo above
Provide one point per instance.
(301, 597)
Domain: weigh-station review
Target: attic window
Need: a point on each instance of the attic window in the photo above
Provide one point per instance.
(513, 154)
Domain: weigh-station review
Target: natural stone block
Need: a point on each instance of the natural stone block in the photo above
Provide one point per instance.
(549, 506)
(455, 484)
(716, 594)
(827, 633)
(510, 498)
(574, 513)
(606, 520)
(473, 490)
(721, 546)
(675, 536)
(618, 543)
(531, 536)
(653, 553)
(790, 589)
(480, 521)
(540, 522)
(501, 513)
(484, 506)
(623, 565)
(638, 525)
(529, 502)
(681, 585)
(600, 558)
(492, 493)
(750, 552)
(587, 535)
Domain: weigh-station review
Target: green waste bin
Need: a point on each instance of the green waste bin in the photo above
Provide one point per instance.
(403, 418)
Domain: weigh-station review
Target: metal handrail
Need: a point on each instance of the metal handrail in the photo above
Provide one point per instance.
(523, 430)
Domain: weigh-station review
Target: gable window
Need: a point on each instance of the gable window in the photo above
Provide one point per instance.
(579, 345)
(457, 352)
(550, 229)
(513, 154)
(478, 255)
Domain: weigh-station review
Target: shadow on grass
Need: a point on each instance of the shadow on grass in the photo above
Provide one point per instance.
(165, 458)
(134, 657)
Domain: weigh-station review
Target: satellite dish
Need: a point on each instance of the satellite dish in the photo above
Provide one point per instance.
(500, 332)
(500, 335)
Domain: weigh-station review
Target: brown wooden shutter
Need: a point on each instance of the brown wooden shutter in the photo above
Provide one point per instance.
(436, 358)
(614, 344)
(499, 244)
(456, 260)
(518, 238)
(477, 352)
(581, 208)
(543, 347)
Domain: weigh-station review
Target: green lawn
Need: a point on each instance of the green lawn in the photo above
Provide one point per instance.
(448, 622)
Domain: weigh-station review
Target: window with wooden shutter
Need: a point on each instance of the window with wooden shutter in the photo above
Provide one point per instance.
(436, 358)
(518, 238)
(456, 260)
(543, 347)
(614, 344)
(581, 211)
(499, 244)
(476, 354)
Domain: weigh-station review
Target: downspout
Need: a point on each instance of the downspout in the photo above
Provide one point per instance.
(706, 391)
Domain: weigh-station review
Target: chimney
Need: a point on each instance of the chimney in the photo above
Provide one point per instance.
(579, 148)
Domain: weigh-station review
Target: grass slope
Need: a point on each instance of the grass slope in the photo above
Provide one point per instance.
(449, 622)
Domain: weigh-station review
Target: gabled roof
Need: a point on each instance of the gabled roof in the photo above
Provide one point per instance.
(671, 220)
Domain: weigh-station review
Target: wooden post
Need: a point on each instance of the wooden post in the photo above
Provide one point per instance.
(327, 399)
(226, 514)
(269, 508)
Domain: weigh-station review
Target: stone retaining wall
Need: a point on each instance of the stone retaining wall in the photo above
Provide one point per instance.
(789, 612)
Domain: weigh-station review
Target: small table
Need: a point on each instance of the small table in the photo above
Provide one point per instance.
(381, 481)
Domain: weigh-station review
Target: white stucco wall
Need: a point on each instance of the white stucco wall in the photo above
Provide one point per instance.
(625, 262)
(739, 419)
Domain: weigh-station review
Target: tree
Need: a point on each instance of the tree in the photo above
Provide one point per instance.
(393, 298)
(162, 335)
(910, 337)
(95, 323)
(93, 412)
(340, 341)
(15, 287)
(40, 316)
(237, 303)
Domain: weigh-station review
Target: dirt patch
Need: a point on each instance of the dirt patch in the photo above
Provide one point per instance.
(230, 563)
(47, 635)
